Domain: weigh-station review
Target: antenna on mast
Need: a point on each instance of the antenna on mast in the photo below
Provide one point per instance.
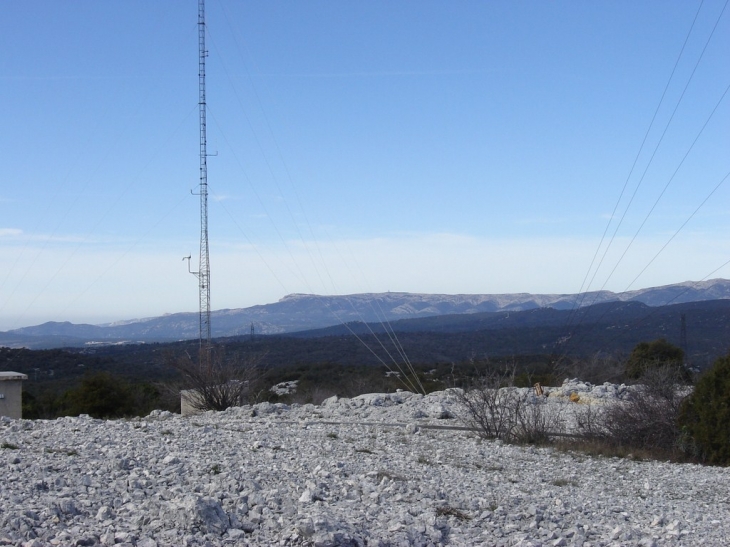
(203, 273)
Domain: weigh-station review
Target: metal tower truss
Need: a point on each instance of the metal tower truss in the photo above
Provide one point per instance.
(203, 273)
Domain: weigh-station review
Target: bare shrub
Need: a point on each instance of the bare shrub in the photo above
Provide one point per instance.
(483, 406)
(535, 422)
(217, 381)
(497, 410)
(589, 422)
(646, 421)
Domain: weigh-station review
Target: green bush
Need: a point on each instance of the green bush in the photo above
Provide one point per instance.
(100, 395)
(705, 414)
(44, 405)
(651, 355)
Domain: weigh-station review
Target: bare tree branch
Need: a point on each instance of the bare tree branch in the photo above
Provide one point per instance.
(219, 382)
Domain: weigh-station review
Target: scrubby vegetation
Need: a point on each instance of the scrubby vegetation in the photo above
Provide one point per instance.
(493, 407)
(100, 395)
(663, 418)
(646, 421)
(648, 356)
(705, 414)
(219, 381)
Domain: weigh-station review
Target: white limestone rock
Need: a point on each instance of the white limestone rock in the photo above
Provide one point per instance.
(207, 515)
(233, 478)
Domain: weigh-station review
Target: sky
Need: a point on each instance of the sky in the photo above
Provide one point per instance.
(418, 146)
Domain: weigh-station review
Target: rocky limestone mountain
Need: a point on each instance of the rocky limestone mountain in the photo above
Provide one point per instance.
(298, 312)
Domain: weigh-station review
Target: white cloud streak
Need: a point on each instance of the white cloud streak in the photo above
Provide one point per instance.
(10, 232)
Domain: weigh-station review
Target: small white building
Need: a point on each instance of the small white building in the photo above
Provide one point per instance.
(11, 394)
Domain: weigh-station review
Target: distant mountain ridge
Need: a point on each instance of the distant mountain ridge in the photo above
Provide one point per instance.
(299, 312)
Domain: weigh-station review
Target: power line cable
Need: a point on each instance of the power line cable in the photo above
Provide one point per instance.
(382, 318)
(90, 137)
(677, 232)
(656, 148)
(692, 215)
(250, 242)
(67, 211)
(223, 134)
(679, 101)
(53, 200)
(337, 317)
(656, 309)
(303, 277)
(105, 213)
(288, 173)
(638, 154)
(269, 167)
(646, 218)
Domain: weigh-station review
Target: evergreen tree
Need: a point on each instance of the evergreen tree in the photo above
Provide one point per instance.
(705, 414)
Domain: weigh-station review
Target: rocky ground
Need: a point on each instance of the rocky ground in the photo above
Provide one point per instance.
(362, 471)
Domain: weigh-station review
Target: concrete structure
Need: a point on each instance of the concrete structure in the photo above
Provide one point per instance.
(189, 398)
(11, 394)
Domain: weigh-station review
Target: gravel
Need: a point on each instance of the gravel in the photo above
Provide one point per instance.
(361, 471)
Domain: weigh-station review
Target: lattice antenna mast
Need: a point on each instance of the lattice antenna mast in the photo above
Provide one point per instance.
(204, 271)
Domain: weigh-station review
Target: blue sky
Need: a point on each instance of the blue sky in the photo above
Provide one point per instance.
(442, 147)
